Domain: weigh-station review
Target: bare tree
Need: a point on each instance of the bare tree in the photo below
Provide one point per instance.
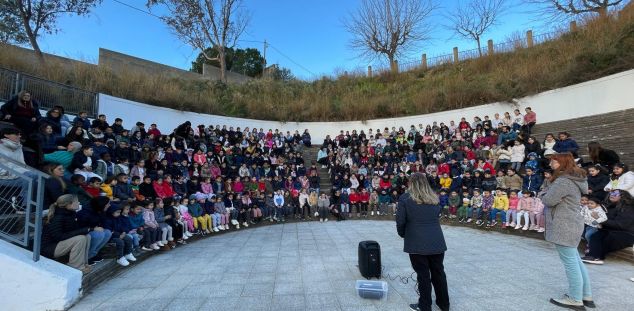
(31, 17)
(205, 23)
(389, 27)
(475, 18)
(561, 9)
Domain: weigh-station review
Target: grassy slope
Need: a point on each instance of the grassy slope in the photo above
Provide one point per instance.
(599, 48)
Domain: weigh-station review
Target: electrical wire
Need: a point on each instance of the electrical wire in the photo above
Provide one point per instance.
(248, 41)
(403, 279)
(137, 9)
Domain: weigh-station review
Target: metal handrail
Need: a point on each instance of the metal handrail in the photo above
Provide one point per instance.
(31, 219)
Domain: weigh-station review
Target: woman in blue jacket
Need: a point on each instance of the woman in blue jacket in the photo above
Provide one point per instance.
(417, 221)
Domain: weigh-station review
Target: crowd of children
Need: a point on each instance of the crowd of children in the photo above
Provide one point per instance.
(145, 191)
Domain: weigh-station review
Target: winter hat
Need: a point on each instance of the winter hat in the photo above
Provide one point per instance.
(76, 146)
(532, 154)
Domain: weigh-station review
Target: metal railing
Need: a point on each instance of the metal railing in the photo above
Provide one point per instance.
(48, 93)
(21, 204)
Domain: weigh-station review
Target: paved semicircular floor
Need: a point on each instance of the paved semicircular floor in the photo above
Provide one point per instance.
(313, 266)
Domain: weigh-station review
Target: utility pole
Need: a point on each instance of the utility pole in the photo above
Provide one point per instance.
(264, 56)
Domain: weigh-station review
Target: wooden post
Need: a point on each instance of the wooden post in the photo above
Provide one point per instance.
(490, 47)
(369, 71)
(423, 61)
(455, 55)
(573, 26)
(529, 38)
(395, 66)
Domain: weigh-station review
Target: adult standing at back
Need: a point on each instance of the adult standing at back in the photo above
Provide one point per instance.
(564, 226)
(417, 221)
(530, 118)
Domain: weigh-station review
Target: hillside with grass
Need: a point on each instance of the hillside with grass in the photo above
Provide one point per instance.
(598, 48)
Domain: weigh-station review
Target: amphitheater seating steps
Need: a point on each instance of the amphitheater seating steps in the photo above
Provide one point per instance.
(310, 155)
(613, 130)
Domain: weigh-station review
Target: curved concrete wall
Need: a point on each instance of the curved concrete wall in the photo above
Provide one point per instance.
(29, 285)
(611, 93)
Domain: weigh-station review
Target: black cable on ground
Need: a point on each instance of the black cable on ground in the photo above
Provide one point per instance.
(403, 279)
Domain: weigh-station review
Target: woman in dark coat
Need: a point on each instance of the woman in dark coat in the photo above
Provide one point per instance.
(23, 112)
(417, 221)
(54, 119)
(617, 232)
(64, 235)
(604, 157)
(55, 186)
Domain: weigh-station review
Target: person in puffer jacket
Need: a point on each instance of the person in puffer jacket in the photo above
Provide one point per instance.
(119, 228)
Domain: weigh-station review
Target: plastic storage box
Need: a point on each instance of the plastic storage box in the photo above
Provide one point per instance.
(372, 289)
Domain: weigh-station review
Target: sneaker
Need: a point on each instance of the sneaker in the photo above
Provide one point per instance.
(513, 224)
(155, 247)
(469, 220)
(123, 262)
(588, 302)
(147, 249)
(414, 307)
(181, 242)
(246, 224)
(238, 226)
(567, 302)
(215, 229)
(326, 220)
(321, 220)
(525, 228)
(227, 226)
(518, 226)
(494, 223)
(541, 229)
(160, 243)
(592, 260)
(372, 213)
(130, 257)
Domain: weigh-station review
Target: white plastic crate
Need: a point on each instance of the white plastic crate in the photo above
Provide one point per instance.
(372, 289)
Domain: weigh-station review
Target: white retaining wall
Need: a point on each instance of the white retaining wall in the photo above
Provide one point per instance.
(611, 93)
(29, 285)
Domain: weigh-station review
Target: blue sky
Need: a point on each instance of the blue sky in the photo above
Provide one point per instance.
(306, 36)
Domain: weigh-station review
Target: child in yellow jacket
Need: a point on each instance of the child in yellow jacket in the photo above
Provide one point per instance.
(445, 181)
(500, 205)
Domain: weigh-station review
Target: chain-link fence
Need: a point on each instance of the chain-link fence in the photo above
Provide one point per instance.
(48, 93)
(21, 200)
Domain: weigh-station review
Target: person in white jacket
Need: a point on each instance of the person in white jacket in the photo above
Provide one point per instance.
(517, 155)
(622, 178)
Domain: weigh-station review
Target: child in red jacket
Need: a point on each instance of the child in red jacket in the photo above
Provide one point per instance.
(354, 203)
(364, 200)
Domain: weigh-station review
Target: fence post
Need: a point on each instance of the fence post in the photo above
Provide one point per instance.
(573, 26)
(455, 55)
(395, 66)
(490, 47)
(369, 71)
(423, 61)
(17, 84)
(529, 38)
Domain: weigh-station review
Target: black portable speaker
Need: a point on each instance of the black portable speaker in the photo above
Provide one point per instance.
(370, 259)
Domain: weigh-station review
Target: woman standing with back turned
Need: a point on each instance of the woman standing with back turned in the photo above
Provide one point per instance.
(564, 226)
(417, 221)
